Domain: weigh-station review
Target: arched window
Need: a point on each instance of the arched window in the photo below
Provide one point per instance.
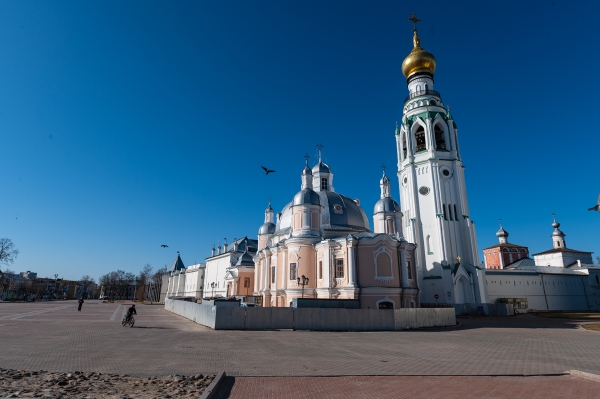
(420, 138)
(445, 215)
(404, 147)
(455, 213)
(440, 143)
(597, 279)
(323, 183)
(428, 244)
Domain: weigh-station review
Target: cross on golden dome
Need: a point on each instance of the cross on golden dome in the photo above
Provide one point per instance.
(418, 60)
(414, 21)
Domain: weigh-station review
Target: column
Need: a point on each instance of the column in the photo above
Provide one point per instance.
(351, 261)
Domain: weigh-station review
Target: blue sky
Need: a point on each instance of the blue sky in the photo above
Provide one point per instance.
(127, 125)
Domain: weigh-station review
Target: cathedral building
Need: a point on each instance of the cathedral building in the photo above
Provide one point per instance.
(322, 247)
(433, 191)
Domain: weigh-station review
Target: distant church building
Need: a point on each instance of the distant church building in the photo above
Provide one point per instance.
(503, 254)
(433, 191)
(557, 279)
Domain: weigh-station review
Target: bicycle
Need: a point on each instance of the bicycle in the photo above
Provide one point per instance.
(128, 321)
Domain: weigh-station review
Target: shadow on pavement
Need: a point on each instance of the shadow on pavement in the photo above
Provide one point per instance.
(517, 321)
(225, 389)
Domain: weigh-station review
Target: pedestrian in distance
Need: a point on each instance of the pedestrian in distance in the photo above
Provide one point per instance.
(80, 304)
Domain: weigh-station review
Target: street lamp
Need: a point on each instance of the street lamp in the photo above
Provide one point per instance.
(303, 280)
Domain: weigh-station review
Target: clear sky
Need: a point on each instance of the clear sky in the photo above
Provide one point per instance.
(127, 125)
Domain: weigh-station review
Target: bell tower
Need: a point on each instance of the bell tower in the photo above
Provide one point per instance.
(433, 193)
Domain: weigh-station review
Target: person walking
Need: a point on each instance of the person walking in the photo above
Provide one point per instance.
(80, 304)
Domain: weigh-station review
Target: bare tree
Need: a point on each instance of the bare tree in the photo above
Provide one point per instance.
(143, 282)
(87, 282)
(7, 278)
(8, 252)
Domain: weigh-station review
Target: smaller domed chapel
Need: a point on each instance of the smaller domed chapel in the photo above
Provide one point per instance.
(321, 246)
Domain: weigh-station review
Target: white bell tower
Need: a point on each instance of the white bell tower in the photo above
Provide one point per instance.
(433, 193)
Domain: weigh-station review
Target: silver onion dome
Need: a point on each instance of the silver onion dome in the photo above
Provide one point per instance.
(307, 196)
(321, 168)
(386, 205)
(502, 233)
(267, 228)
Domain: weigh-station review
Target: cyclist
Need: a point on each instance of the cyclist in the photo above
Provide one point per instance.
(130, 312)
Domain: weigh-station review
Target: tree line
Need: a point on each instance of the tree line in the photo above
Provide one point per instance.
(145, 286)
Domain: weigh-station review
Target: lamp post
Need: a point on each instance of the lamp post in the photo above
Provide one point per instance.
(303, 280)
(213, 285)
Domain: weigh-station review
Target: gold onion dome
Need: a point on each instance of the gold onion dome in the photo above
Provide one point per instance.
(419, 60)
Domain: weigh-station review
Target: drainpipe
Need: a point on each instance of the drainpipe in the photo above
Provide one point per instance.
(398, 251)
(544, 288)
(585, 292)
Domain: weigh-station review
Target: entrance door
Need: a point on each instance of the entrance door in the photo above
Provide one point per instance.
(228, 290)
(386, 305)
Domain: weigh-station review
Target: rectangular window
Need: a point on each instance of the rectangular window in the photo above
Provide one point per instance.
(321, 270)
(272, 274)
(246, 282)
(339, 268)
(293, 273)
(323, 183)
(455, 213)
(445, 216)
(409, 268)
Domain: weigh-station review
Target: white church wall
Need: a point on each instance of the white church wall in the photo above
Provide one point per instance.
(543, 291)
(215, 271)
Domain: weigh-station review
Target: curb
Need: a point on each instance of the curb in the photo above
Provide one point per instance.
(213, 388)
(583, 374)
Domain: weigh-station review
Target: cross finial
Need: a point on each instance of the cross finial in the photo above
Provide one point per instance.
(554, 216)
(458, 259)
(383, 167)
(320, 147)
(500, 222)
(306, 156)
(414, 20)
(269, 200)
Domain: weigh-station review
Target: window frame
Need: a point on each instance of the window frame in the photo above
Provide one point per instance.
(293, 270)
(339, 268)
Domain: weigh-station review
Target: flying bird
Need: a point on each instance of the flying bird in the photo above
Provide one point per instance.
(267, 171)
(164, 246)
(597, 206)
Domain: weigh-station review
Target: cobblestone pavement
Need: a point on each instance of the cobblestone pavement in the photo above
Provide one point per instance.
(362, 387)
(54, 336)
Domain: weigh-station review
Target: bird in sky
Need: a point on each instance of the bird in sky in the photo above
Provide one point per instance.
(267, 171)
(596, 207)
(164, 246)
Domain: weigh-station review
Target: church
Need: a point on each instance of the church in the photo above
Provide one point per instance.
(321, 247)
(424, 251)
(421, 252)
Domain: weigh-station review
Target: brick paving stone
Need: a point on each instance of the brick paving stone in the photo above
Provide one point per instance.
(54, 336)
(365, 387)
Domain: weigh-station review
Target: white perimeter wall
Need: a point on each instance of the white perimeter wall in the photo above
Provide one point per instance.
(543, 291)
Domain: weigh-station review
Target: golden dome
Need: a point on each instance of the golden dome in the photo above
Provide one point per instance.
(418, 59)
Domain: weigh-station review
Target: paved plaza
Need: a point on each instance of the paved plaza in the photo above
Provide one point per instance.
(54, 336)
